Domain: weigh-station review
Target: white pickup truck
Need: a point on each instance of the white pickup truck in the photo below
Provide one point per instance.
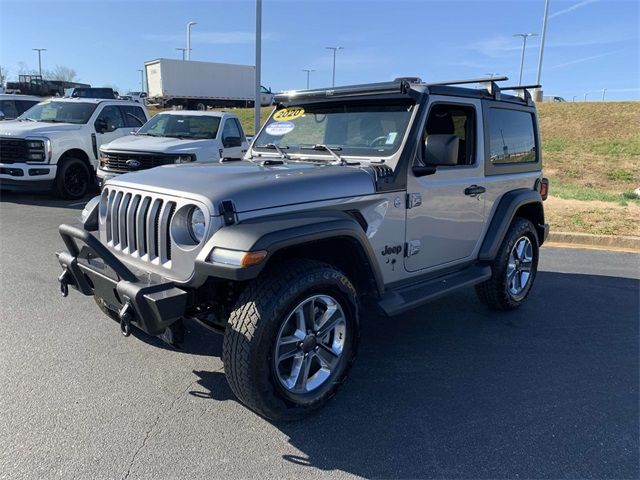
(55, 144)
(180, 136)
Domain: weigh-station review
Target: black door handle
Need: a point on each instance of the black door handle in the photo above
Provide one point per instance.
(474, 190)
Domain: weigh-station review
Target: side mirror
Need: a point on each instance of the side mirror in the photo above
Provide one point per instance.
(143, 95)
(1, 115)
(229, 142)
(441, 150)
(101, 126)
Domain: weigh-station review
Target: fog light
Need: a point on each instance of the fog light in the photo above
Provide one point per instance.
(237, 258)
(38, 171)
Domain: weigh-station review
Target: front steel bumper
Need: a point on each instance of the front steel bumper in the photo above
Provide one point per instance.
(150, 303)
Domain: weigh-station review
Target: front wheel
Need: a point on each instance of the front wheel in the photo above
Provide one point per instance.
(291, 339)
(73, 179)
(514, 269)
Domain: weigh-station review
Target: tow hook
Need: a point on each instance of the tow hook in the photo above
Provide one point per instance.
(126, 315)
(64, 282)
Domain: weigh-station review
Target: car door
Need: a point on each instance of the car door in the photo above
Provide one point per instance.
(109, 125)
(445, 207)
(232, 139)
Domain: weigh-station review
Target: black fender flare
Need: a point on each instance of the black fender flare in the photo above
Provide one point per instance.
(503, 216)
(276, 232)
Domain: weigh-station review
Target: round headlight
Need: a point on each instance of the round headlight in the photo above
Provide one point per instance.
(196, 224)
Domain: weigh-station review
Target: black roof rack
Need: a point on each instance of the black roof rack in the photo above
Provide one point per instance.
(403, 85)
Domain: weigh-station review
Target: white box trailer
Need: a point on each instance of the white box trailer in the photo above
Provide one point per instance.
(198, 85)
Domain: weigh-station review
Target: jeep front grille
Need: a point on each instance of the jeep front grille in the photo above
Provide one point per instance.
(138, 224)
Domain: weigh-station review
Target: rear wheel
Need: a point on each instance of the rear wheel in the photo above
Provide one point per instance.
(514, 269)
(291, 339)
(73, 179)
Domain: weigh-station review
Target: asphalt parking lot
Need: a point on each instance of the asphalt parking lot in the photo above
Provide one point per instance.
(448, 390)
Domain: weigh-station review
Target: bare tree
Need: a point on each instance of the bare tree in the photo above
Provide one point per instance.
(4, 73)
(24, 70)
(60, 72)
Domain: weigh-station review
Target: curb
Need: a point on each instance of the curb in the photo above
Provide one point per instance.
(595, 241)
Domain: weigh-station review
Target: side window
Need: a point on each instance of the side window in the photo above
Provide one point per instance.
(112, 117)
(8, 108)
(133, 116)
(511, 137)
(240, 130)
(457, 122)
(230, 129)
(24, 105)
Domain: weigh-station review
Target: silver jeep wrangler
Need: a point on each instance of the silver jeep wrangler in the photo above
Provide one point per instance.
(385, 195)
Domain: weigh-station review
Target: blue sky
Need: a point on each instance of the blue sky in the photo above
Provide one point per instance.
(591, 44)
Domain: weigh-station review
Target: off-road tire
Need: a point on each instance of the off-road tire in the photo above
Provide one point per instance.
(495, 292)
(73, 188)
(253, 325)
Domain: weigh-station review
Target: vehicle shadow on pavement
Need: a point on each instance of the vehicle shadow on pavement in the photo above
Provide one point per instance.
(46, 199)
(454, 390)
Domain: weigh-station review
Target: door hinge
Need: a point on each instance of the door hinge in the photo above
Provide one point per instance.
(414, 200)
(412, 247)
(228, 212)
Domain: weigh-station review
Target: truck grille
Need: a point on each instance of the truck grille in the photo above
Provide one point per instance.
(13, 150)
(138, 224)
(118, 161)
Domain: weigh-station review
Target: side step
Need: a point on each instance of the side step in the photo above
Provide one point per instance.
(406, 297)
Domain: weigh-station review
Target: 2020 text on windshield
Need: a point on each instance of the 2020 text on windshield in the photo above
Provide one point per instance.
(353, 129)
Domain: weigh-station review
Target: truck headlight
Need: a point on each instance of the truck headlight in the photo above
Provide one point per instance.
(38, 150)
(197, 224)
(185, 158)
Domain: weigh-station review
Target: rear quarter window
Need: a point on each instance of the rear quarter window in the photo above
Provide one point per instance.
(511, 141)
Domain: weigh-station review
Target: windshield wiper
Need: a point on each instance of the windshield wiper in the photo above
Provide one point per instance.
(332, 151)
(27, 118)
(277, 148)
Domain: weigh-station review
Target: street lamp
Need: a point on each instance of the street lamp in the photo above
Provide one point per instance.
(524, 46)
(491, 75)
(183, 50)
(308, 73)
(585, 96)
(141, 80)
(39, 50)
(189, 25)
(604, 90)
(256, 101)
(335, 49)
(574, 98)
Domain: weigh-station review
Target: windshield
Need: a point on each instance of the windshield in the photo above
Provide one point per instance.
(181, 126)
(59, 112)
(356, 129)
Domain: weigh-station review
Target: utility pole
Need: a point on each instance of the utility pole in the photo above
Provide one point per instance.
(585, 96)
(604, 90)
(574, 98)
(538, 92)
(183, 50)
(335, 49)
(256, 105)
(189, 25)
(141, 80)
(308, 73)
(39, 50)
(524, 47)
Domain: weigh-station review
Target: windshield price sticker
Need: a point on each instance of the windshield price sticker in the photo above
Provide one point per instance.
(279, 128)
(287, 114)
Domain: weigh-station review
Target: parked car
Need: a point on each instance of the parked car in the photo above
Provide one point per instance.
(140, 97)
(55, 144)
(12, 106)
(199, 85)
(91, 92)
(180, 136)
(383, 195)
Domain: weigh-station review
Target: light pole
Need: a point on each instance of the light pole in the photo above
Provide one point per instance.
(39, 50)
(183, 50)
(308, 74)
(524, 47)
(256, 102)
(585, 96)
(189, 25)
(141, 80)
(491, 75)
(604, 90)
(335, 49)
(544, 34)
(574, 99)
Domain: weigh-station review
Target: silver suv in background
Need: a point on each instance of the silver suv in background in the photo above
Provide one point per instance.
(379, 196)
